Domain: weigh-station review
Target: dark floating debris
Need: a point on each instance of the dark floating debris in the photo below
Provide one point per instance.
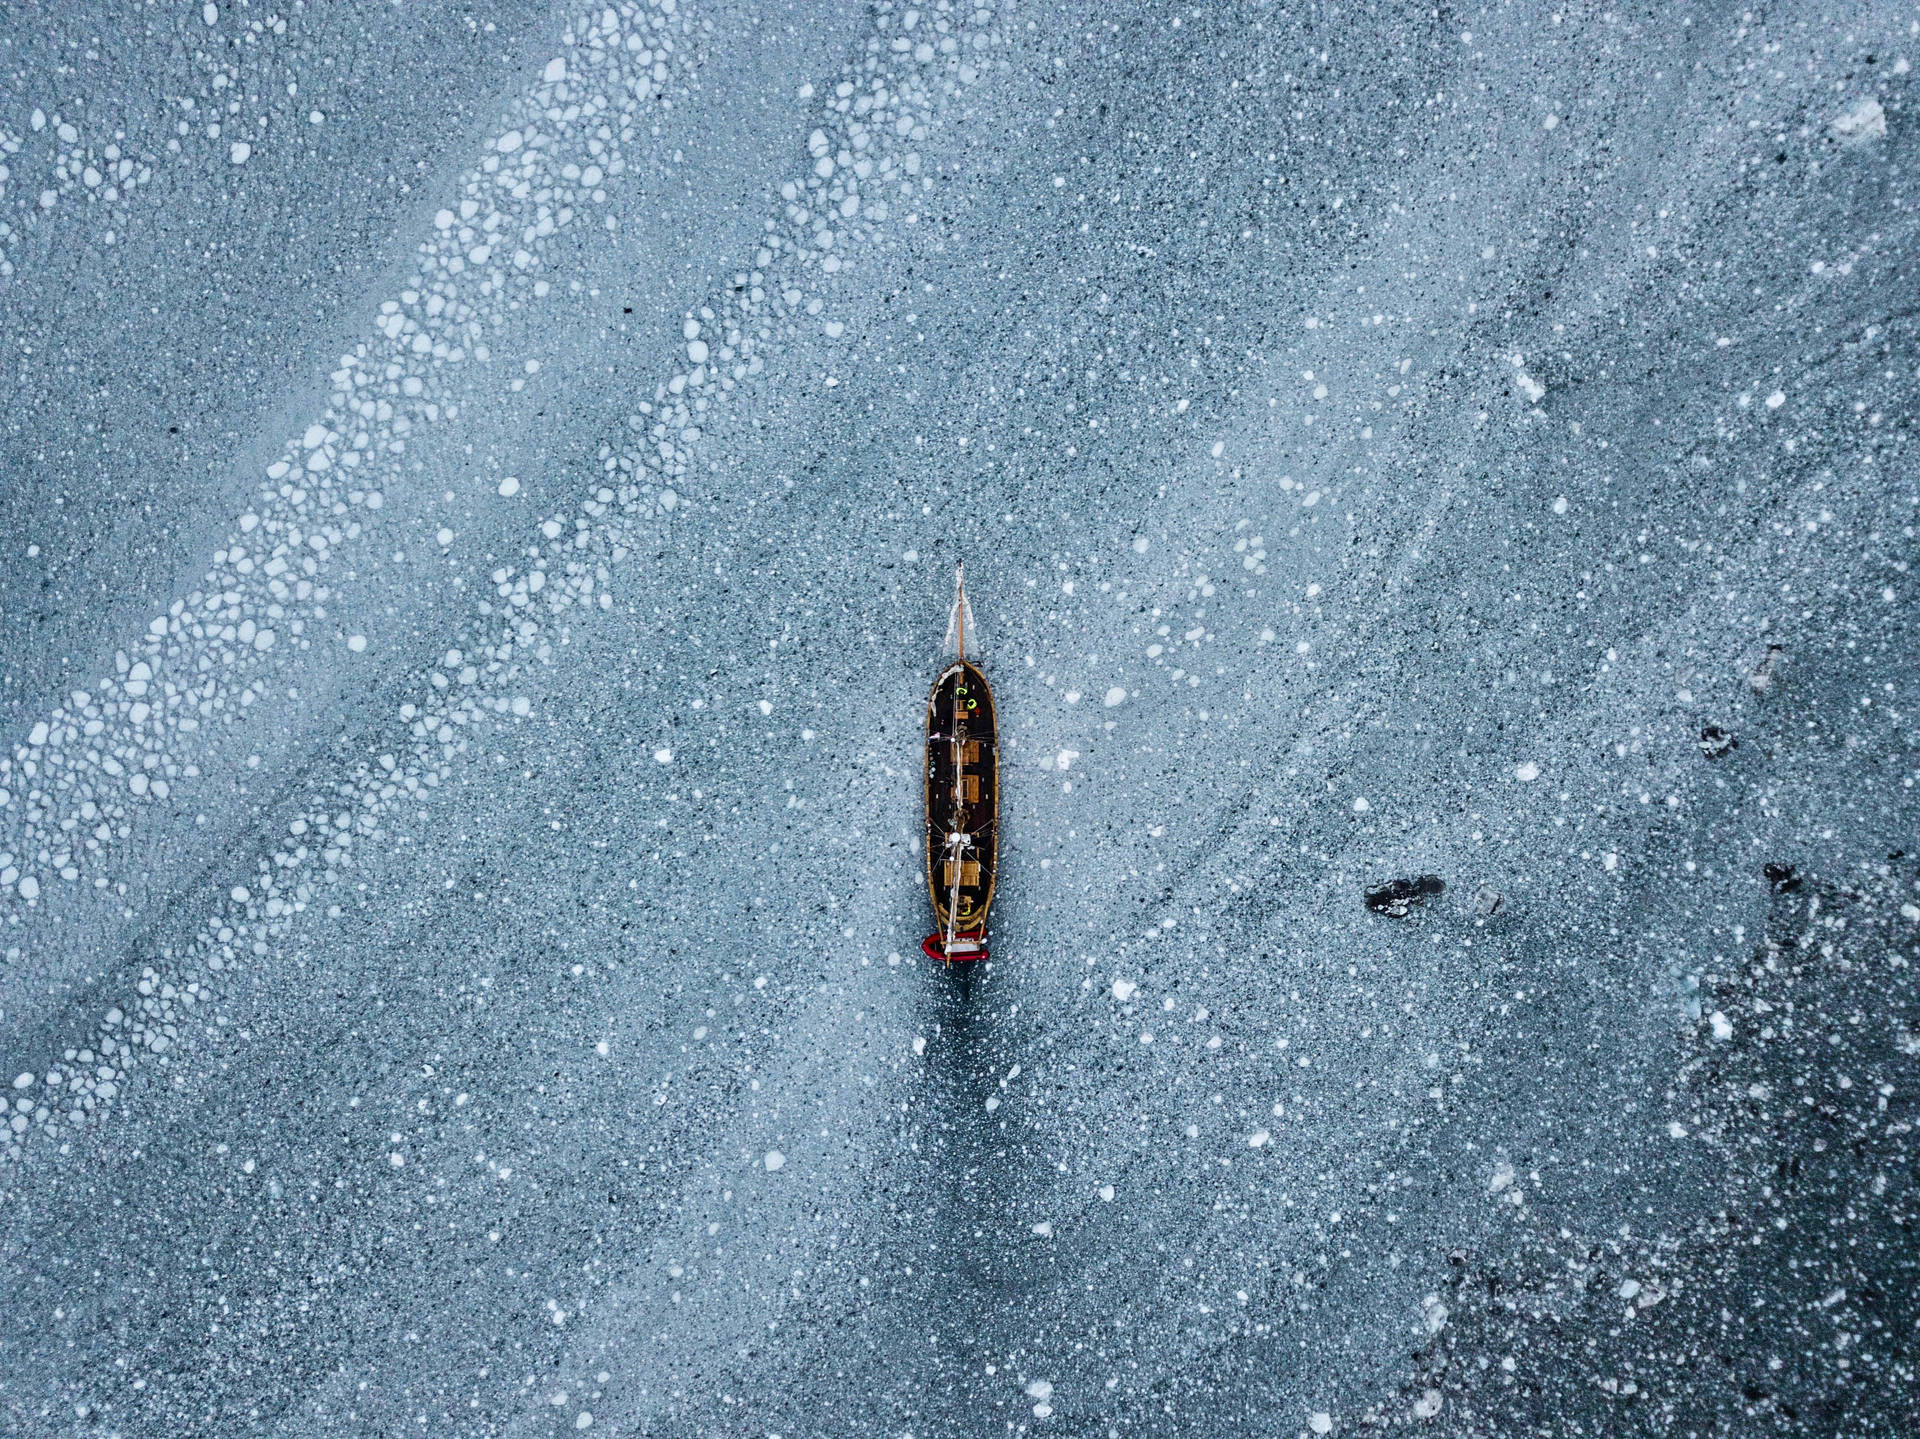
(1488, 901)
(1715, 742)
(1784, 878)
(1397, 896)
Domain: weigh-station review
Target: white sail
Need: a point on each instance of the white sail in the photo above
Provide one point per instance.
(962, 633)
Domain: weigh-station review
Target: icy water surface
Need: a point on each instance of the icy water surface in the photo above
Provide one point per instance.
(478, 500)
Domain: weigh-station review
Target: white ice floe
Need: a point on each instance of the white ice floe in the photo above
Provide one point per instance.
(1861, 123)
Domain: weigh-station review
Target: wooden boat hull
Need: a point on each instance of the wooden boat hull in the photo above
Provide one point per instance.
(963, 810)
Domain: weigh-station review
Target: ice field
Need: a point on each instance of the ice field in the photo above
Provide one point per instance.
(480, 491)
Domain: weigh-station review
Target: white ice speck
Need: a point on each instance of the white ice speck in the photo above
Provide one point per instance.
(1106, 1193)
(23, 1081)
(29, 888)
(1722, 1026)
(357, 643)
(1044, 1229)
(1526, 772)
(663, 755)
(697, 352)
(508, 142)
(240, 152)
(1114, 696)
(1776, 399)
(1258, 1139)
(397, 1160)
(1676, 1130)
(555, 72)
(774, 1160)
(584, 1420)
(1320, 1422)
(1123, 989)
(510, 487)
(1560, 505)
(210, 13)
(1040, 1389)
(1360, 806)
(1140, 544)
(1427, 1405)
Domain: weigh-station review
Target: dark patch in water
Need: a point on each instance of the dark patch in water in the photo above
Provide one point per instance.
(1715, 742)
(1397, 896)
(1783, 877)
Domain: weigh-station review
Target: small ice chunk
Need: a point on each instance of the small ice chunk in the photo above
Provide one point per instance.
(240, 153)
(1114, 696)
(1123, 989)
(357, 643)
(510, 486)
(697, 351)
(23, 1081)
(774, 1160)
(555, 72)
(663, 755)
(1320, 1422)
(1258, 1139)
(1863, 121)
(1526, 772)
(1722, 1026)
(1360, 806)
(508, 142)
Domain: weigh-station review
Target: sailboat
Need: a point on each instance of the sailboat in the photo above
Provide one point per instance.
(963, 796)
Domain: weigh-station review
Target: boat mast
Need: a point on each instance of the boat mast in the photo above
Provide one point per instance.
(958, 841)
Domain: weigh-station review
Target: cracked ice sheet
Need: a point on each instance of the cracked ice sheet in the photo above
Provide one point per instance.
(1304, 601)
